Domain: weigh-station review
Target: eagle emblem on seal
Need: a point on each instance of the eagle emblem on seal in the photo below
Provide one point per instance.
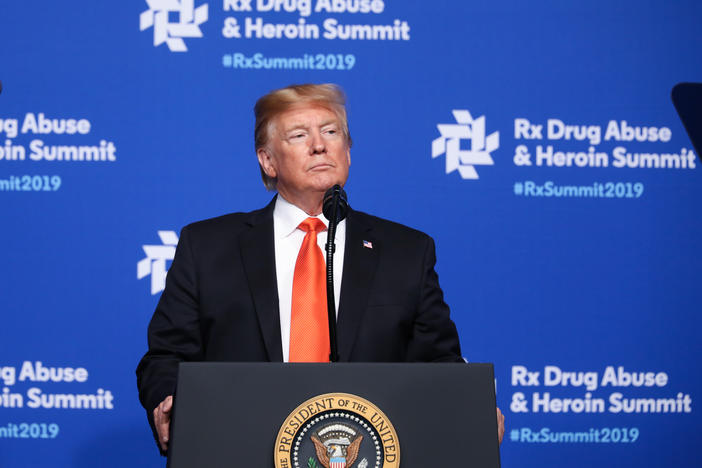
(337, 445)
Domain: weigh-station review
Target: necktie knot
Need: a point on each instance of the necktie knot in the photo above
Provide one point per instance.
(312, 225)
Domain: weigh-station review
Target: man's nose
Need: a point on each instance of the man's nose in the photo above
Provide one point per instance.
(317, 144)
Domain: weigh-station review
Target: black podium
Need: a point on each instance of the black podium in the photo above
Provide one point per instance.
(258, 415)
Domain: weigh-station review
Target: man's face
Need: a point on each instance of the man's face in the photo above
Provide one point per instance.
(307, 152)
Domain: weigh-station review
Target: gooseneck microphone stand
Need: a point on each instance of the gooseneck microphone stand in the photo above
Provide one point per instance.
(334, 207)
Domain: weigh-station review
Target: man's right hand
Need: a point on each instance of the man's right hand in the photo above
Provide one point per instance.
(162, 421)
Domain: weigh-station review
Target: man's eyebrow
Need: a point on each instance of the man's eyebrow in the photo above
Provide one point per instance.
(302, 126)
(296, 126)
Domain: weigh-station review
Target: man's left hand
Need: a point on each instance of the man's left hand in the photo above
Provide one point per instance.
(500, 425)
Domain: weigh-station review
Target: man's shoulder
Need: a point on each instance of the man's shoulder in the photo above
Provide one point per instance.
(387, 228)
(228, 224)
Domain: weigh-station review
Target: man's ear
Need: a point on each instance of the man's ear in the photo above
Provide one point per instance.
(267, 163)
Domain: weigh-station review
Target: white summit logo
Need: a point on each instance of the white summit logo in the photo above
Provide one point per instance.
(155, 262)
(159, 16)
(449, 143)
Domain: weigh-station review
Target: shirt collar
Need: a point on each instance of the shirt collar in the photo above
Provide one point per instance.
(288, 217)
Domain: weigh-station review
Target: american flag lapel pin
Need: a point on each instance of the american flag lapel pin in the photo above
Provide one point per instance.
(367, 244)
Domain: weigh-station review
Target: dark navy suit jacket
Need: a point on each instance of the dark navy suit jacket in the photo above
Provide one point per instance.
(221, 301)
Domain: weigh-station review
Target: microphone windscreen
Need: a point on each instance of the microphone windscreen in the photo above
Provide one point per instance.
(328, 204)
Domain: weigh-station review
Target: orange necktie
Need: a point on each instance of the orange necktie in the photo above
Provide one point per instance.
(309, 326)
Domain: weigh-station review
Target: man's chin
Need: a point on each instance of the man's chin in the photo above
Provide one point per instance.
(322, 184)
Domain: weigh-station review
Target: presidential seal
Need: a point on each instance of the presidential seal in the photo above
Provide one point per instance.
(337, 430)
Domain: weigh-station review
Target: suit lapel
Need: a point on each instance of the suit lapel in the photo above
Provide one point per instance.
(360, 261)
(258, 257)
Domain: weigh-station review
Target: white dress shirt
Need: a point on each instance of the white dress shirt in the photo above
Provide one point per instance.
(288, 239)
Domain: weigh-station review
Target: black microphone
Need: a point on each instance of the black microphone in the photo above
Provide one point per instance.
(0, 87)
(335, 196)
(334, 207)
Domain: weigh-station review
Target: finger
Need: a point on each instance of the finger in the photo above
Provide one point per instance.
(500, 425)
(162, 421)
(162, 429)
(167, 404)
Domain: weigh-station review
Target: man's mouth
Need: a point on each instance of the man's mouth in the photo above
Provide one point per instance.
(321, 167)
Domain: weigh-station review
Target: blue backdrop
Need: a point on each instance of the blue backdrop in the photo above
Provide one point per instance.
(535, 141)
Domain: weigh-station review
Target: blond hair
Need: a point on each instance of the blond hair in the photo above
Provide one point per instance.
(276, 102)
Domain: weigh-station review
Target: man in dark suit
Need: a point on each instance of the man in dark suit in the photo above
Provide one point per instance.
(240, 287)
